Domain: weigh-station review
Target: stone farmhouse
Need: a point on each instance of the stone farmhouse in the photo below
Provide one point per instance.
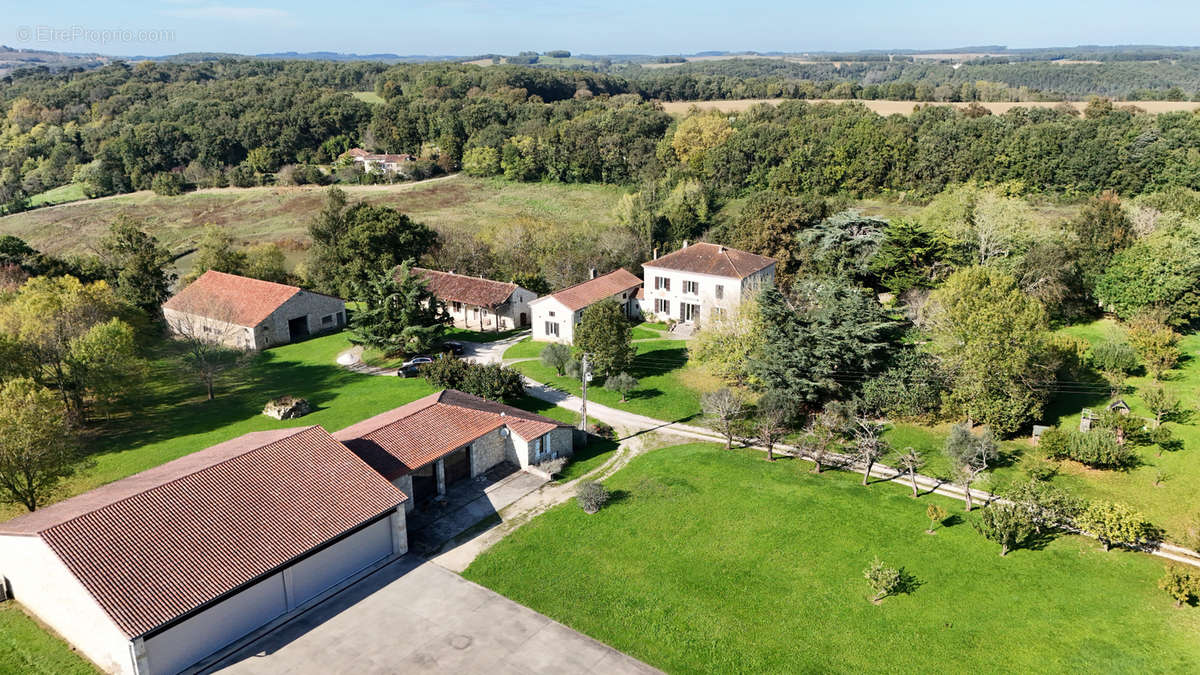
(172, 568)
(556, 315)
(451, 436)
(249, 313)
(154, 573)
(382, 163)
(702, 281)
(477, 303)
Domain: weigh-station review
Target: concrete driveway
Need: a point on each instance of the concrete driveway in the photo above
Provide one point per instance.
(414, 616)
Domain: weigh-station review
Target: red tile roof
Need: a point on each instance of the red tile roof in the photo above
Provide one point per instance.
(449, 287)
(228, 297)
(721, 261)
(161, 543)
(594, 290)
(413, 435)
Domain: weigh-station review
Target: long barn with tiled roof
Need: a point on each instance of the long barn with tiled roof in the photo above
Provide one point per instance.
(477, 303)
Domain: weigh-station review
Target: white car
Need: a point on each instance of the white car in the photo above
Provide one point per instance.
(417, 361)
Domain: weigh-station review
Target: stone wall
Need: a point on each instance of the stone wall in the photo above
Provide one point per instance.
(404, 484)
(322, 313)
(488, 451)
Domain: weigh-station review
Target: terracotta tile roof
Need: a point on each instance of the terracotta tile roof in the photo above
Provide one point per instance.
(594, 290)
(714, 259)
(357, 152)
(470, 290)
(228, 297)
(401, 440)
(159, 544)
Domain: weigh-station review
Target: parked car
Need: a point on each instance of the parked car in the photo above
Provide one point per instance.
(417, 361)
(452, 347)
(409, 370)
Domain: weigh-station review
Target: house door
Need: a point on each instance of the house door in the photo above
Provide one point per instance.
(688, 313)
(424, 484)
(524, 320)
(298, 328)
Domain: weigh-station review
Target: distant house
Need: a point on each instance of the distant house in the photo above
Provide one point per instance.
(556, 315)
(699, 281)
(478, 303)
(158, 572)
(384, 163)
(249, 313)
(451, 436)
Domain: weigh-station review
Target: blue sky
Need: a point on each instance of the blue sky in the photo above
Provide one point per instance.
(464, 27)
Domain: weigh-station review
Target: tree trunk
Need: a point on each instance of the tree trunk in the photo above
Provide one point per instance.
(867, 472)
(208, 383)
(729, 440)
(913, 476)
(770, 452)
(816, 466)
(968, 491)
(1003, 550)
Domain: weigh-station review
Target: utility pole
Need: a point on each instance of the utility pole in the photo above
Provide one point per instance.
(585, 374)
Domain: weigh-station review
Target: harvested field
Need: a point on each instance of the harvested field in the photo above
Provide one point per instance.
(906, 107)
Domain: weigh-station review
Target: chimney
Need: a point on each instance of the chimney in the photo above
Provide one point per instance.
(655, 253)
(684, 245)
(592, 273)
(720, 249)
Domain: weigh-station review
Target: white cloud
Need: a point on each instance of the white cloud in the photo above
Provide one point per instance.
(227, 13)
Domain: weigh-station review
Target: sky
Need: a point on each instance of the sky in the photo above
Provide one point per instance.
(469, 27)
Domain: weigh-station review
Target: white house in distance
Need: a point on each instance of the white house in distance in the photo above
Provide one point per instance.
(556, 315)
(451, 436)
(698, 281)
(477, 303)
(383, 163)
(166, 569)
(250, 313)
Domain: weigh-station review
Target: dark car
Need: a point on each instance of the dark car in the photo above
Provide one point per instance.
(417, 361)
(409, 370)
(452, 347)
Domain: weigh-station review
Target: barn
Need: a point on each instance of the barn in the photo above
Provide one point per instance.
(158, 572)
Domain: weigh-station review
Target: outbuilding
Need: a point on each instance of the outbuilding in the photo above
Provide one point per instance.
(556, 315)
(477, 303)
(251, 313)
(159, 572)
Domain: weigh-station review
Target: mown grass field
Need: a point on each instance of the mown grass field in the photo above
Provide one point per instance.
(28, 649)
(282, 214)
(1169, 505)
(667, 387)
(64, 193)
(708, 561)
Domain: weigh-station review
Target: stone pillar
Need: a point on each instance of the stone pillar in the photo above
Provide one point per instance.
(439, 468)
(399, 532)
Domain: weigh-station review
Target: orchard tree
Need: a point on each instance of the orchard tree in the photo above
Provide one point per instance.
(936, 514)
(605, 335)
(556, 355)
(1115, 360)
(1161, 401)
(622, 383)
(1156, 343)
(398, 313)
(1115, 524)
(1045, 504)
(869, 444)
(37, 449)
(1181, 583)
(725, 409)
(773, 418)
(1005, 524)
(991, 341)
(820, 440)
(970, 455)
(910, 463)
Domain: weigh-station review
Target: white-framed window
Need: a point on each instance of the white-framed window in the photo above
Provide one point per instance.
(662, 306)
(552, 328)
(718, 312)
(691, 287)
(551, 313)
(720, 292)
(662, 283)
(457, 307)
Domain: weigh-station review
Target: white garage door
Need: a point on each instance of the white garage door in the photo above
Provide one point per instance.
(183, 644)
(192, 640)
(317, 573)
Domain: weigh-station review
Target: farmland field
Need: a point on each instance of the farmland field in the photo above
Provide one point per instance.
(906, 107)
(282, 214)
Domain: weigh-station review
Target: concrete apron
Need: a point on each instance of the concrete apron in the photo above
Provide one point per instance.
(467, 504)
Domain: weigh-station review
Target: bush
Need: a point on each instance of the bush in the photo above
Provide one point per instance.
(602, 430)
(591, 496)
(491, 381)
(1097, 448)
(1181, 584)
(167, 184)
(1116, 524)
(556, 356)
(882, 579)
(553, 467)
(911, 389)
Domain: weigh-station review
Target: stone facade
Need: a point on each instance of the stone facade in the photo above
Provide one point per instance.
(321, 313)
(508, 316)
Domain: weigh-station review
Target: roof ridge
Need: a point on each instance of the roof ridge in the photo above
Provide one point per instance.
(298, 431)
(587, 281)
(242, 276)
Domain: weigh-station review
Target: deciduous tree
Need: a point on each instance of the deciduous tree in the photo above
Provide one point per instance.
(605, 335)
(138, 266)
(725, 409)
(1115, 524)
(910, 463)
(970, 455)
(37, 450)
(622, 383)
(556, 355)
(1005, 524)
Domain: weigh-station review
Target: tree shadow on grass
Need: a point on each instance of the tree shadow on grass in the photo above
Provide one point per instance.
(659, 362)
(908, 583)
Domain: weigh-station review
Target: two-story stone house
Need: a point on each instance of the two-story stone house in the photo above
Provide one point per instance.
(699, 281)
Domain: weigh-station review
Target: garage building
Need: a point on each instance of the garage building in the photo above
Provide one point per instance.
(160, 571)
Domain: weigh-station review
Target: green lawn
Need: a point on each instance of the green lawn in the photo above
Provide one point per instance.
(649, 331)
(28, 649)
(368, 97)
(176, 420)
(667, 388)
(525, 349)
(708, 561)
(466, 335)
(71, 192)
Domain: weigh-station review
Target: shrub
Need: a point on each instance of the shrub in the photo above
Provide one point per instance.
(553, 467)
(602, 430)
(911, 389)
(882, 579)
(491, 381)
(556, 356)
(1097, 448)
(1181, 584)
(591, 496)
(167, 184)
